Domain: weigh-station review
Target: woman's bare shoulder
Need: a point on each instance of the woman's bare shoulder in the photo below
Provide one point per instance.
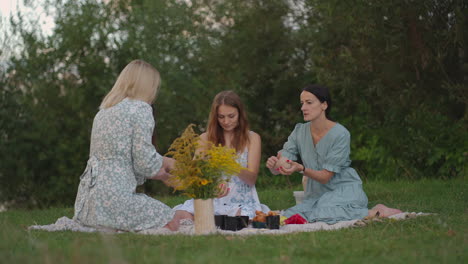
(204, 136)
(254, 136)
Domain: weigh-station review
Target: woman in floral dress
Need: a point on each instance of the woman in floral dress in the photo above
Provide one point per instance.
(122, 157)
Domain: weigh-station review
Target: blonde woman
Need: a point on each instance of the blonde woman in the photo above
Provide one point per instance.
(122, 157)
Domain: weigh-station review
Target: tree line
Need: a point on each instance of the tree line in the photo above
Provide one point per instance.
(397, 71)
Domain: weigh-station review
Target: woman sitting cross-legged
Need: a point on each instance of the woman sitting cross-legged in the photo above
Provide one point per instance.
(228, 126)
(334, 189)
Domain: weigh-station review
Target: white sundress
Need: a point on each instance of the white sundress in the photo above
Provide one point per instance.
(241, 196)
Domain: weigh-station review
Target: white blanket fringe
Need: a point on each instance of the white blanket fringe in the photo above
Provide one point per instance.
(186, 227)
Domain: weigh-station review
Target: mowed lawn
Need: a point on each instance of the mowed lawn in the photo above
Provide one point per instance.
(440, 238)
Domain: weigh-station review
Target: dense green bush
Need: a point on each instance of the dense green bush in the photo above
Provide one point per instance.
(398, 73)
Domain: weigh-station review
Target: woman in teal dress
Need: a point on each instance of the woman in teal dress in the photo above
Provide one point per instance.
(334, 190)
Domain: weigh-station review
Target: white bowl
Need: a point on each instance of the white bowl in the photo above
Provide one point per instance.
(299, 195)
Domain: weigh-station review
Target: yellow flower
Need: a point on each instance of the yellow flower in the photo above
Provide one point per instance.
(198, 175)
(204, 182)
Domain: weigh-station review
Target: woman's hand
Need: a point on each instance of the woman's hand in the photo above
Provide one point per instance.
(223, 190)
(169, 163)
(271, 163)
(164, 172)
(162, 175)
(294, 168)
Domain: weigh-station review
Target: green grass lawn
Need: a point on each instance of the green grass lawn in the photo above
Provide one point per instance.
(441, 238)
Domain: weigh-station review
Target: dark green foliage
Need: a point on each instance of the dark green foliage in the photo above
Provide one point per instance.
(397, 70)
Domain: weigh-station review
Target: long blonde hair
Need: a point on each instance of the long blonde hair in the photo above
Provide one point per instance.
(138, 80)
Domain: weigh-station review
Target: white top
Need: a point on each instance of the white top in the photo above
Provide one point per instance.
(241, 196)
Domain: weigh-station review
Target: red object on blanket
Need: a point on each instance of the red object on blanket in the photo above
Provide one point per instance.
(295, 219)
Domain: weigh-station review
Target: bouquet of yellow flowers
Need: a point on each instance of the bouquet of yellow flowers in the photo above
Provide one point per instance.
(199, 172)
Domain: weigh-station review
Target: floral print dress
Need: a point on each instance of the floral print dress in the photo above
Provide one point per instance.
(121, 157)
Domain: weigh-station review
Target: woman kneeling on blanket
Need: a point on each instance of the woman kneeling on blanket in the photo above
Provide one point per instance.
(333, 189)
(122, 157)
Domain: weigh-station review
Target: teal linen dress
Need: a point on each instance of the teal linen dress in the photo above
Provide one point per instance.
(342, 198)
(121, 157)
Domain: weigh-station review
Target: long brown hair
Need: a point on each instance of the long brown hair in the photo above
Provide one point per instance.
(214, 129)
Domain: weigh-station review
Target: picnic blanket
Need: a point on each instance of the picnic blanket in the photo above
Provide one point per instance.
(187, 228)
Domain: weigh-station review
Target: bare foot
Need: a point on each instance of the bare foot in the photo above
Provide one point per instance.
(383, 211)
(179, 214)
(173, 225)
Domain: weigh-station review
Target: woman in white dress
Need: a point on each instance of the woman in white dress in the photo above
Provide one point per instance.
(228, 126)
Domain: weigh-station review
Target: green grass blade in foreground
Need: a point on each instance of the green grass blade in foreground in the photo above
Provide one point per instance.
(439, 238)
